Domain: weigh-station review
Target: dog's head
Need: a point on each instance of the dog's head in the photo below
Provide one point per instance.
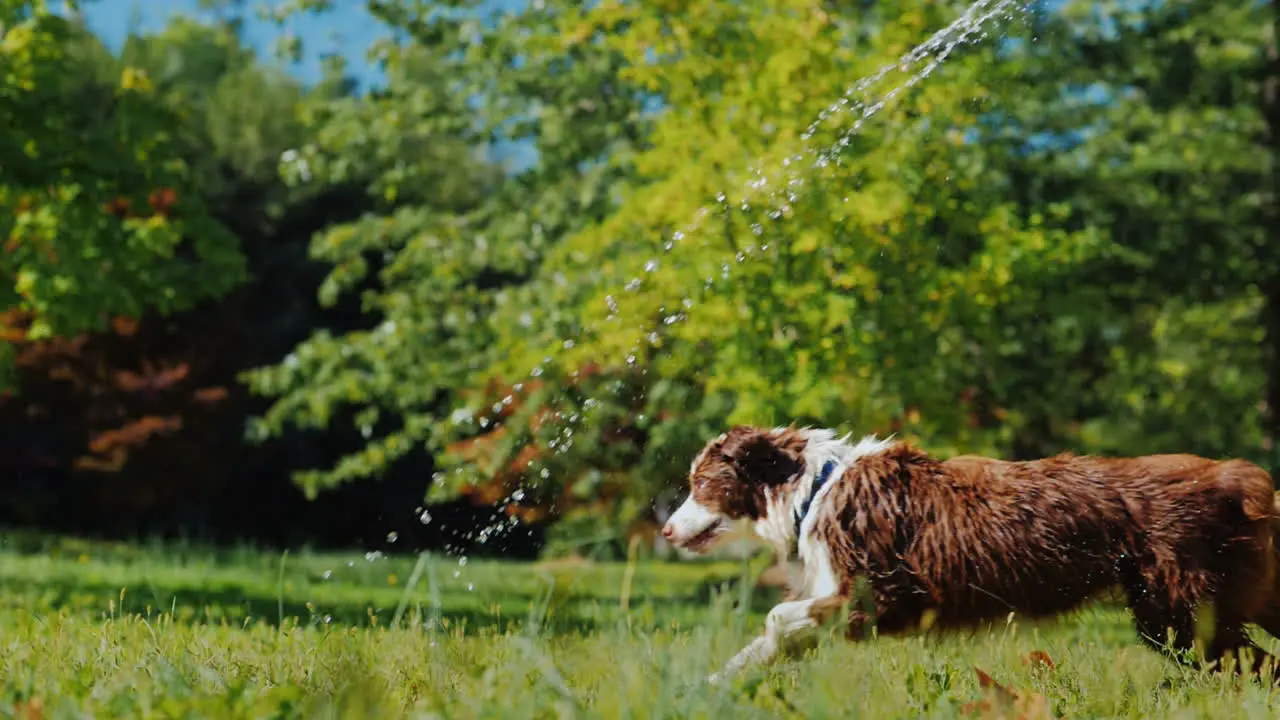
(728, 481)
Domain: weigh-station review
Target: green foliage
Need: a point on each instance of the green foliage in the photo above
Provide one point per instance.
(455, 236)
(237, 114)
(163, 631)
(1061, 240)
(155, 391)
(100, 214)
(1175, 167)
(858, 310)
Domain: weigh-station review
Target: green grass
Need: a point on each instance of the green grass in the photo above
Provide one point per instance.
(100, 630)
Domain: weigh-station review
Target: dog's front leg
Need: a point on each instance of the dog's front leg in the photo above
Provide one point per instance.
(783, 621)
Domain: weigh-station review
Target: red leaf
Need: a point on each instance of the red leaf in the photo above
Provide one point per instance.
(1039, 659)
(210, 395)
(162, 199)
(124, 326)
(118, 207)
(135, 434)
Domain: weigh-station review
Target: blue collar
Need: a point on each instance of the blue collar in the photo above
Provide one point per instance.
(818, 481)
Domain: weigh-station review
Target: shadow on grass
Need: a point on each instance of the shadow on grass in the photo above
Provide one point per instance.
(567, 613)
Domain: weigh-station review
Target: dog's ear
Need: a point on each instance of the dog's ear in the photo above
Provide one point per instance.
(756, 457)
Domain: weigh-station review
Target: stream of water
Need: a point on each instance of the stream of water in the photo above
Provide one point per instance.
(775, 191)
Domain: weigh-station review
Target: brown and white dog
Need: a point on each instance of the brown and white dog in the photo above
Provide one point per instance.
(971, 539)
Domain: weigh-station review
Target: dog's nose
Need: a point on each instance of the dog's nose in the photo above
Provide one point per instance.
(668, 531)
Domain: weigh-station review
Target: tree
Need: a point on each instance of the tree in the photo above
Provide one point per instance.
(101, 216)
(1148, 127)
(447, 247)
(139, 429)
(1022, 252)
(857, 312)
(855, 288)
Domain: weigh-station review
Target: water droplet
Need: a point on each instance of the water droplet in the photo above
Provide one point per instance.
(393, 536)
(425, 517)
(518, 495)
(462, 561)
(328, 574)
(786, 183)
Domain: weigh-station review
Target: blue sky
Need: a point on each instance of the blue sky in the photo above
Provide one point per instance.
(347, 29)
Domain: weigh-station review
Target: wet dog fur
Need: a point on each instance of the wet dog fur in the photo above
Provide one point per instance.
(960, 542)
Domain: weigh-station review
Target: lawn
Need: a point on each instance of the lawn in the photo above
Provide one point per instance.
(101, 630)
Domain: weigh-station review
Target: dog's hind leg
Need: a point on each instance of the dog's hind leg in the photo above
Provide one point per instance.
(1269, 621)
(1168, 628)
(1165, 622)
(1230, 640)
(1246, 596)
(1247, 589)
